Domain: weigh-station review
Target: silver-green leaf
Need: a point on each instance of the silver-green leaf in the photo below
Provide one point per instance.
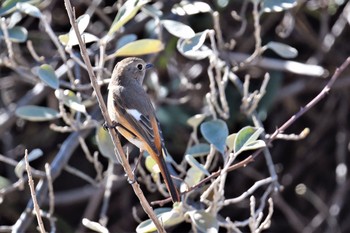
(16, 34)
(178, 29)
(282, 50)
(198, 150)
(37, 113)
(215, 132)
(47, 74)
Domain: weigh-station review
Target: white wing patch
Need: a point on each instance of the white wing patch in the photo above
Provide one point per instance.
(134, 113)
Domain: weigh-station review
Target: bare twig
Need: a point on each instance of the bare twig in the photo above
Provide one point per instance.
(312, 103)
(32, 193)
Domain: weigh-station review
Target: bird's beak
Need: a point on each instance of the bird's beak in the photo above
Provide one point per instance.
(148, 66)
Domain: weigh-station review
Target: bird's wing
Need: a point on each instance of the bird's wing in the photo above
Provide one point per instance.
(139, 119)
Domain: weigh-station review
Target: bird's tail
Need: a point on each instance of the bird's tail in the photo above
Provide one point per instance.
(167, 179)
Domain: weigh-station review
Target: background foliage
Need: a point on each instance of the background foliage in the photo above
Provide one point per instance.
(227, 74)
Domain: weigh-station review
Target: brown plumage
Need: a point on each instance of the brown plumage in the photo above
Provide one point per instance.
(130, 107)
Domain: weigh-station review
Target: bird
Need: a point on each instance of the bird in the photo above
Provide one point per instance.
(133, 115)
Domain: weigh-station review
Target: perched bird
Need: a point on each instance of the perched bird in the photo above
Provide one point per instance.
(133, 115)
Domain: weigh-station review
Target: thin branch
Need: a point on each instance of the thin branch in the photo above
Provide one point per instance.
(32, 193)
(312, 103)
(145, 205)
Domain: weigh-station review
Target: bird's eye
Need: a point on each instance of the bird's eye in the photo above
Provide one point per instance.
(139, 66)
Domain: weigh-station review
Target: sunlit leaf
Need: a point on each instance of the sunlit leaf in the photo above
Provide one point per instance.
(47, 74)
(70, 39)
(190, 8)
(196, 120)
(82, 23)
(215, 132)
(140, 47)
(193, 48)
(230, 141)
(178, 29)
(16, 34)
(168, 217)
(36, 113)
(105, 145)
(151, 165)
(73, 40)
(204, 221)
(246, 139)
(69, 99)
(64, 39)
(95, 226)
(126, 13)
(283, 50)
(29, 9)
(14, 19)
(278, 5)
(21, 166)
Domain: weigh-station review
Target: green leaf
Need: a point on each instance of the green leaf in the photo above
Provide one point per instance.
(178, 29)
(194, 163)
(105, 145)
(37, 113)
(151, 165)
(168, 217)
(195, 120)
(21, 166)
(278, 5)
(126, 13)
(140, 47)
(246, 139)
(16, 34)
(47, 74)
(203, 221)
(193, 48)
(198, 150)
(29, 9)
(70, 39)
(282, 50)
(69, 99)
(215, 132)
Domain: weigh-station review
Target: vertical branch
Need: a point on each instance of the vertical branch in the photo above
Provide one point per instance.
(32, 193)
(125, 163)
